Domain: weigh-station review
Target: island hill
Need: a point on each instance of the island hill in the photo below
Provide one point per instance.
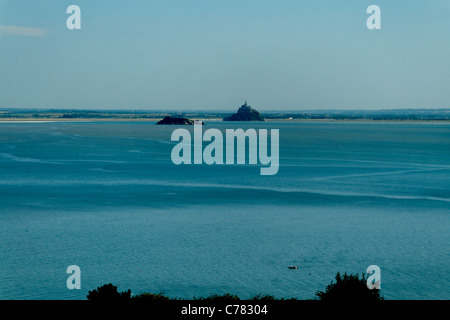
(244, 113)
(178, 121)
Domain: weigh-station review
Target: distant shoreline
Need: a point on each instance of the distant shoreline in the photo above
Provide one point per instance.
(80, 120)
(74, 115)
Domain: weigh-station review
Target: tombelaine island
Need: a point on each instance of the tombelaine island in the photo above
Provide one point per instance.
(178, 121)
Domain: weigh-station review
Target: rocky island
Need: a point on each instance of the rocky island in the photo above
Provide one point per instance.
(245, 113)
(177, 121)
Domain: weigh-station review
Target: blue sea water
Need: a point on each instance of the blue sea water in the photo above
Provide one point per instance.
(106, 196)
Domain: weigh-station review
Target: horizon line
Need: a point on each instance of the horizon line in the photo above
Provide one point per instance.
(216, 110)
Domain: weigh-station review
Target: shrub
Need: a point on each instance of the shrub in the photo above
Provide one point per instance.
(263, 297)
(108, 293)
(216, 297)
(349, 287)
(151, 297)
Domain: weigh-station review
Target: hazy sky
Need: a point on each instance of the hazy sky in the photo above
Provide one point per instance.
(212, 54)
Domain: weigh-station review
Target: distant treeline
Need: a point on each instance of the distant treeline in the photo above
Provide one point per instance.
(400, 114)
(393, 114)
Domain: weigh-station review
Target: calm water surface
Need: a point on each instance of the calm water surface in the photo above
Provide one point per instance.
(106, 197)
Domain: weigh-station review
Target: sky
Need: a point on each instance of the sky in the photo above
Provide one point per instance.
(214, 54)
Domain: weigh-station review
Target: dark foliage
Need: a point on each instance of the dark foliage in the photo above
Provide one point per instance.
(216, 297)
(151, 297)
(263, 297)
(108, 293)
(349, 287)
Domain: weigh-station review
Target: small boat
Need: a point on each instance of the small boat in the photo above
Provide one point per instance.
(293, 267)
